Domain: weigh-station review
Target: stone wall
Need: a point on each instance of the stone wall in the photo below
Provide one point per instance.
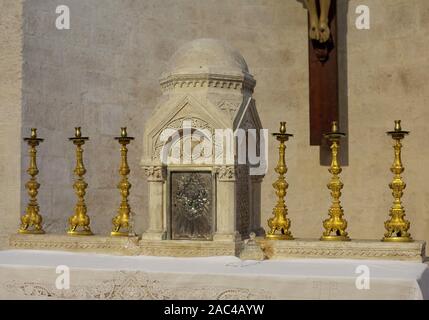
(10, 114)
(103, 73)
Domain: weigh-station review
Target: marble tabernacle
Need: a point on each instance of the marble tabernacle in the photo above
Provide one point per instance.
(199, 191)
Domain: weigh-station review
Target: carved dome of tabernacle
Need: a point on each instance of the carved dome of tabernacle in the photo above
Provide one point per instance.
(206, 56)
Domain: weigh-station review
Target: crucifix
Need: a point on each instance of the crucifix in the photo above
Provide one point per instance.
(323, 67)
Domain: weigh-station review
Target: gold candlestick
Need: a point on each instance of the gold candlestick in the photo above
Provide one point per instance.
(31, 221)
(280, 222)
(124, 186)
(397, 227)
(80, 218)
(335, 226)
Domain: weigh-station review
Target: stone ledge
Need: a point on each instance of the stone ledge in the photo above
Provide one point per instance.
(185, 248)
(94, 244)
(355, 249)
(124, 245)
(273, 249)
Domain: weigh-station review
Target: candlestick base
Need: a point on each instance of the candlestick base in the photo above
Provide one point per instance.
(80, 233)
(279, 237)
(398, 239)
(335, 238)
(21, 231)
(119, 234)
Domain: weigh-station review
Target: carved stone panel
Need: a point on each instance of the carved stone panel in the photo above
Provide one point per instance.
(191, 206)
(242, 199)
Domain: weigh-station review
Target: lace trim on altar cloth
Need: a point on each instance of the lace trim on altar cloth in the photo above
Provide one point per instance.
(133, 286)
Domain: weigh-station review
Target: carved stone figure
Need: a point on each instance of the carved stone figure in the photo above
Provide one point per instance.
(319, 23)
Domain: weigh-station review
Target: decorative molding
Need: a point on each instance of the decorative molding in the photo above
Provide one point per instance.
(180, 248)
(355, 249)
(230, 107)
(208, 80)
(155, 173)
(226, 173)
(177, 124)
(96, 244)
(273, 249)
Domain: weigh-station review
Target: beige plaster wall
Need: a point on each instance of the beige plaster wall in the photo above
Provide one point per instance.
(103, 73)
(10, 114)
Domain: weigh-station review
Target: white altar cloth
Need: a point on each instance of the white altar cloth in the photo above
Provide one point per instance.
(27, 274)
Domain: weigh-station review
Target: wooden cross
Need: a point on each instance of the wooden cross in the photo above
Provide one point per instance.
(323, 72)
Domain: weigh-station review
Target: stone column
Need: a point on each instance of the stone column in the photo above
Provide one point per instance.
(11, 38)
(226, 229)
(156, 179)
(255, 200)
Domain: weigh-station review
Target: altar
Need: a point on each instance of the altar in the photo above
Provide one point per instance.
(26, 274)
(214, 150)
(204, 153)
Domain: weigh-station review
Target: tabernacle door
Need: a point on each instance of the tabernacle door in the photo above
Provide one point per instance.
(191, 205)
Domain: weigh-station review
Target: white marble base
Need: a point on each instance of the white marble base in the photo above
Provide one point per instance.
(355, 249)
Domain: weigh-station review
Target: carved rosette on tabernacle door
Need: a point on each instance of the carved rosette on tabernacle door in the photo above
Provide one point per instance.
(280, 224)
(397, 227)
